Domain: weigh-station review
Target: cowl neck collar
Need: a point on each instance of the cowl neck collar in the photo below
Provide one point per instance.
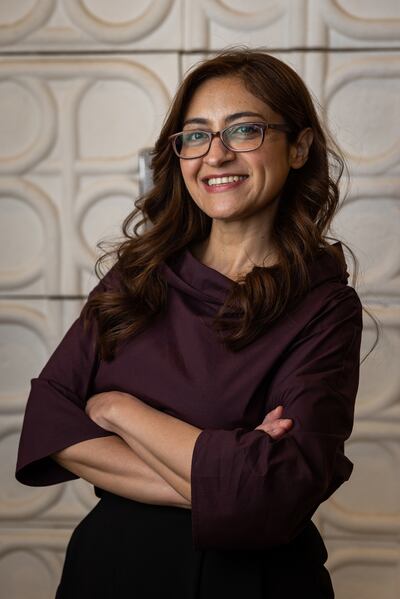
(185, 272)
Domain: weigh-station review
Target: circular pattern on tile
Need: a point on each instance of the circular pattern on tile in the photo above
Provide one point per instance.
(19, 19)
(121, 32)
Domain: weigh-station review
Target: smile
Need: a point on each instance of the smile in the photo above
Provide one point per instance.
(223, 180)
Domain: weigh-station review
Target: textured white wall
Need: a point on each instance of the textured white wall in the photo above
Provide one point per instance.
(84, 85)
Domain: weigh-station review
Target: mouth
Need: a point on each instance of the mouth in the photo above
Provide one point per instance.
(224, 182)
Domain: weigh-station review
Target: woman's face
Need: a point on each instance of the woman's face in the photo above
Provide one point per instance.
(264, 170)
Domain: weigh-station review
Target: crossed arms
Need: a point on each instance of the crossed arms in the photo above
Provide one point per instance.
(150, 454)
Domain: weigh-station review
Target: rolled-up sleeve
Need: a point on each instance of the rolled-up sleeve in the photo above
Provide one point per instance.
(55, 415)
(250, 491)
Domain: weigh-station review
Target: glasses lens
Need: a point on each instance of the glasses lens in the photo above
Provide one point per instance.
(190, 144)
(243, 137)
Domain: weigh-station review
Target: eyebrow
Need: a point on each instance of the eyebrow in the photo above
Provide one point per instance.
(228, 119)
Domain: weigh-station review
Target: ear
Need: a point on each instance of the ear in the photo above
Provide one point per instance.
(299, 150)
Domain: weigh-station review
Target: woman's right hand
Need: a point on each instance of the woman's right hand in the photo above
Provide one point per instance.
(274, 425)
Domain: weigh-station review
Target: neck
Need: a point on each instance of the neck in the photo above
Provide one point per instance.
(236, 260)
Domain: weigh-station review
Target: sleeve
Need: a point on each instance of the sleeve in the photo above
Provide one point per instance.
(55, 415)
(250, 491)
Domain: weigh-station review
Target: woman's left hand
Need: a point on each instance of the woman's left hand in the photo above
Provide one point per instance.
(274, 425)
(101, 407)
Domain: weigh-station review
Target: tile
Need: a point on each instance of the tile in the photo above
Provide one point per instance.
(69, 173)
(31, 559)
(87, 25)
(30, 330)
(213, 25)
(364, 567)
(353, 24)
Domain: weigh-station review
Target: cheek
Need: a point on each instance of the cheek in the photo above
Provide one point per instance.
(183, 172)
(272, 177)
(188, 172)
(274, 167)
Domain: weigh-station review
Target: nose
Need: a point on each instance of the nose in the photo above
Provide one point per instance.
(218, 153)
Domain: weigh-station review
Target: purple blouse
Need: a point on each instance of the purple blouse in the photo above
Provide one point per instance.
(248, 490)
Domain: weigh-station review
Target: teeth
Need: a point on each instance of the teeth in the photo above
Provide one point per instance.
(221, 180)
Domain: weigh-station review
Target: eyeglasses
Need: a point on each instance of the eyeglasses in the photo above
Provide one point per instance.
(243, 137)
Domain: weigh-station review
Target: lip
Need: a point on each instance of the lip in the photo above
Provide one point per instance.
(223, 186)
(216, 175)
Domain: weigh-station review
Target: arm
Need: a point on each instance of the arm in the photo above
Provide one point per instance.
(253, 492)
(55, 422)
(59, 442)
(164, 442)
(109, 463)
(54, 416)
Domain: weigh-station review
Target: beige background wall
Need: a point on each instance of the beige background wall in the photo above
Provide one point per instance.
(84, 85)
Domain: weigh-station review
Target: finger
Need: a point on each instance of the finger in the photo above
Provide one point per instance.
(272, 425)
(274, 414)
(285, 422)
(274, 431)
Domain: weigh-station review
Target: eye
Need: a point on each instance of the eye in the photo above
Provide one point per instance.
(246, 130)
(194, 137)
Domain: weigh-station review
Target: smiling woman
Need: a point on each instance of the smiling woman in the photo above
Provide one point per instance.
(236, 174)
(208, 386)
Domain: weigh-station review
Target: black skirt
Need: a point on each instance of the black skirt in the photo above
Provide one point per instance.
(124, 549)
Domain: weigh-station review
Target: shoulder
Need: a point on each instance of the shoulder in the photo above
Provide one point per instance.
(336, 305)
(331, 303)
(109, 281)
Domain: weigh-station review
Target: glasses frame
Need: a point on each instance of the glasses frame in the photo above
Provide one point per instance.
(211, 135)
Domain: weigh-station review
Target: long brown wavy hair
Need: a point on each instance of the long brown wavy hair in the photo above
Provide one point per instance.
(170, 219)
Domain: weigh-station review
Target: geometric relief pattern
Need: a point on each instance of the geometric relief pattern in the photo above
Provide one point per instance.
(72, 129)
(93, 117)
(27, 341)
(374, 449)
(363, 568)
(211, 24)
(379, 389)
(359, 97)
(354, 23)
(373, 82)
(377, 255)
(90, 25)
(206, 24)
(30, 562)
(73, 122)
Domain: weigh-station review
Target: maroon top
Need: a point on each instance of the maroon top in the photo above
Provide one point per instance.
(248, 490)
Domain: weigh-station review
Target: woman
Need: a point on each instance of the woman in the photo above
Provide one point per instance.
(208, 386)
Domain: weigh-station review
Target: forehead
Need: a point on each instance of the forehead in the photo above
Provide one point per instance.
(221, 96)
